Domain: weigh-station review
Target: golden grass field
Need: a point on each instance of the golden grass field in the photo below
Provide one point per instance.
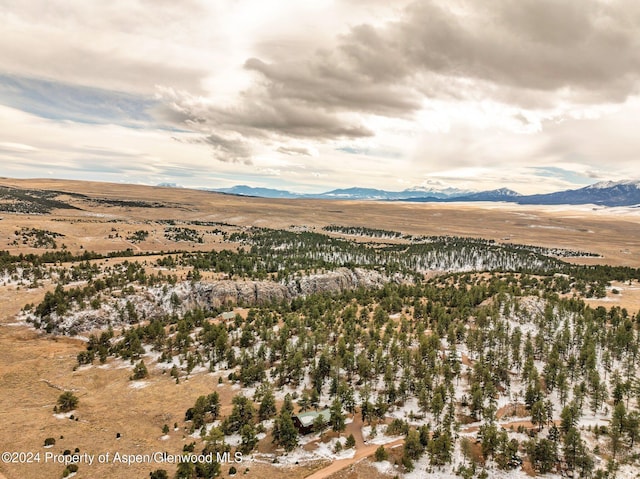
(35, 368)
(613, 232)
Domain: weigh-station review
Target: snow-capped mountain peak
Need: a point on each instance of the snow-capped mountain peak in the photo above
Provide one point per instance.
(612, 184)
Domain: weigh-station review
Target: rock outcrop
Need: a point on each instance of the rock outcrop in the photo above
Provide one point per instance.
(240, 292)
(341, 279)
(148, 303)
(250, 293)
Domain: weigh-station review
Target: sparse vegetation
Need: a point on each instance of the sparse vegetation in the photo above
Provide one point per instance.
(138, 236)
(36, 238)
(140, 371)
(190, 235)
(67, 401)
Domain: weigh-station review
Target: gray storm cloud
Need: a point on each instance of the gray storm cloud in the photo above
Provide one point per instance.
(529, 53)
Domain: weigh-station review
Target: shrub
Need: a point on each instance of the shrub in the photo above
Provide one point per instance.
(67, 401)
(397, 427)
(381, 454)
(140, 371)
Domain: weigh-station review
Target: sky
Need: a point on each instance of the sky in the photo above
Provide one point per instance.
(311, 95)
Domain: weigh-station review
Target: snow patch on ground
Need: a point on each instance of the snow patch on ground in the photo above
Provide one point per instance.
(233, 439)
(306, 439)
(175, 361)
(384, 467)
(379, 439)
(138, 384)
(289, 459)
(64, 415)
(327, 450)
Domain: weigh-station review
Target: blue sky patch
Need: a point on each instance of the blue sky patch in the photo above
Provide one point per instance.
(561, 173)
(67, 102)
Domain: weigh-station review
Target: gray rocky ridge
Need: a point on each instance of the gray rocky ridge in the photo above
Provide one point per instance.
(158, 301)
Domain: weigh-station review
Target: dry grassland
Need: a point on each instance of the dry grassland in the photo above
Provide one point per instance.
(612, 233)
(35, 369)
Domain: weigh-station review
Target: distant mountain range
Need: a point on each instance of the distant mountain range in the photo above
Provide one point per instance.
(347, 193)
(608, 193)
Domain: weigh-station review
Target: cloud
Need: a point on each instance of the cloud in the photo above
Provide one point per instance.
(297, 151)
(259, 122)
(229, 149)
(577, 48)
(529, 54)
(8, 147)
(329, 82)
(359, 91)
(115, 46)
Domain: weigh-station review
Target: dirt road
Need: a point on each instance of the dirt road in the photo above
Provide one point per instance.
(362, 451)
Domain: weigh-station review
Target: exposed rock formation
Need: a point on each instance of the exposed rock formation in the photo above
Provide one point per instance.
(239, 292)
(148, 303)
(341, 279)
(215, 294)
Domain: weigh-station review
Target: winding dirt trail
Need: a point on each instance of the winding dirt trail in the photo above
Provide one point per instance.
(362, 451)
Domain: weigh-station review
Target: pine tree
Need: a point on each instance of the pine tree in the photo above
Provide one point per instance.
(249, 439)
(319, 424)
(351, 442)
(573, 448)
(67, 401)
(337, 419)
(243, 412)
(267, 408)
(285, 433)
(618, 421)
(140, 371)
(381, 454)
(413, 448)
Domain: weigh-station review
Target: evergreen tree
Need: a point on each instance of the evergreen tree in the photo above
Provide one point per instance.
(351, 442)
(243, 413)
(285, 433)
(413, 448)
(543, 454)
(267, 408)
(381, 454)
(249, 439)
(616, 429)
(573, 448)
(67, 401)
(337, 419)
(319, 424)
(140, 371)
